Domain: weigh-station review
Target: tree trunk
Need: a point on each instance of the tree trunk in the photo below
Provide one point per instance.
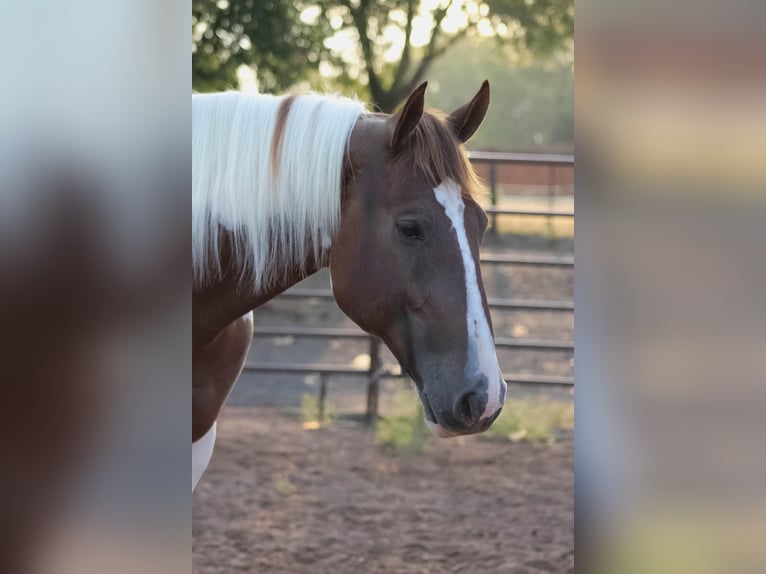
(388, 100)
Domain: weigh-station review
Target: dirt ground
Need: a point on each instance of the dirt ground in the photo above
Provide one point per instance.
(277, 498)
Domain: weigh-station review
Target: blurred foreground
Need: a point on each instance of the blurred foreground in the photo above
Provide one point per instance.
(670, 280)
(94, 288)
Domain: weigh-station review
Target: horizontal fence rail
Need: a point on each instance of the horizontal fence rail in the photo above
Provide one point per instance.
(342, 333)
(504, 304)
(324, 369)
(539, 260)
(376, 370)
(540, 380)
(552, 162)
(521, 158)
(529, 212)
(530, 305)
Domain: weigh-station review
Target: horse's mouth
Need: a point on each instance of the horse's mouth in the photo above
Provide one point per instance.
(429, 412)
(445, 432)
(432, 422)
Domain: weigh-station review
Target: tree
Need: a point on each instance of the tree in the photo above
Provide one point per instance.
(532, 106)
(383, 47)
(266, 35)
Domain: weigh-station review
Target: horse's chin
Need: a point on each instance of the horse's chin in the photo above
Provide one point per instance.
(442, 432)
(439, 430)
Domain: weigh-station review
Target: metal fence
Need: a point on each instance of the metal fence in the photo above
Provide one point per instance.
(377, 370)
(550, 162)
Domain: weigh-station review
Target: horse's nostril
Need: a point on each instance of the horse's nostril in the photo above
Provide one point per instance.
(468, 408)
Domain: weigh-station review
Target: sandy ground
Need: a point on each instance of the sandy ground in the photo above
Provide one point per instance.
(277, 498)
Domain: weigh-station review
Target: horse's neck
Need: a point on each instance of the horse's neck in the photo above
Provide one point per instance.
(216, 306)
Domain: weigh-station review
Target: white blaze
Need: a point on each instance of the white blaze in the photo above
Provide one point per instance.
(481, 355)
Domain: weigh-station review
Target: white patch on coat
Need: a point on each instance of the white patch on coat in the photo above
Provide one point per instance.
(202, 450)
(481, 356)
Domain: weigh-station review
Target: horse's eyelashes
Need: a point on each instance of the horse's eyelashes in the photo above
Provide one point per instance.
(410, 229)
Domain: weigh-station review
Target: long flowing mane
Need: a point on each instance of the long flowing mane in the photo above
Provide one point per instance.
(268, 170)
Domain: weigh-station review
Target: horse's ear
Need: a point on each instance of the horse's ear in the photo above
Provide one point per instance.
(408, 117)
(467, 119)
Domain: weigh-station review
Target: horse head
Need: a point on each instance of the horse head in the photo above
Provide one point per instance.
(405, 261)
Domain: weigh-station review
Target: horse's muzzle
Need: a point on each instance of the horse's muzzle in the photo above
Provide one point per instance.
(463, 415)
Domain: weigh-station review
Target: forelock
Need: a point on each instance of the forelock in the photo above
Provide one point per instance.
(437, 152)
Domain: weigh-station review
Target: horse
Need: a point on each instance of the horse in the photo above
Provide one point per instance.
(283, 186)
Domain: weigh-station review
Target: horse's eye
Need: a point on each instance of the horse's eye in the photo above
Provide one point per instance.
(410, 229)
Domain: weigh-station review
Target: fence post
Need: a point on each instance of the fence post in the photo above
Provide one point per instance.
(493, 194)
(551, 193)
(372, 384)
(322, 395)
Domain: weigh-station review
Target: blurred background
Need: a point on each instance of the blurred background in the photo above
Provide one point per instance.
(323, 461)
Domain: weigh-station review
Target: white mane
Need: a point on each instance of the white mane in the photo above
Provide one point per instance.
(280, 211)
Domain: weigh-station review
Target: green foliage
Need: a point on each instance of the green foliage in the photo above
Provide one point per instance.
(532, 105)
(267, 36)
(533, 418)
(285, 42)
(310, 415)
(544, 24)
(283, 485)
(309, 408)
(404, 431)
